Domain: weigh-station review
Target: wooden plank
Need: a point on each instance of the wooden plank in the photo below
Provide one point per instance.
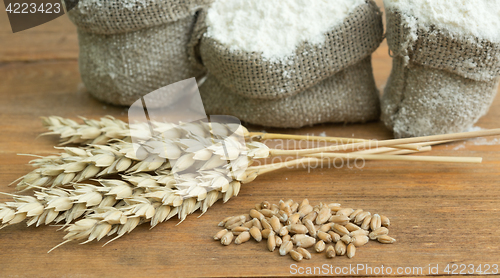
(441, 213)
(56, 39)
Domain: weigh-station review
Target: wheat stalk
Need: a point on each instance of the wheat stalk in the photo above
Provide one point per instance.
(426, 140)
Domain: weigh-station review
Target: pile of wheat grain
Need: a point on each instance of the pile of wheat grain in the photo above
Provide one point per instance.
(325, 227)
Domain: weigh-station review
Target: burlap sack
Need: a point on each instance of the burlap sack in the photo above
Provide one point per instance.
(440, 83)
(348, 96)
(251, 76)
(129, 48)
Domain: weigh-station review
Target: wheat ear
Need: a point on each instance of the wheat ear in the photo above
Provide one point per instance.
(148, 206)
(90, 132)
(79, 164)
(55, 205)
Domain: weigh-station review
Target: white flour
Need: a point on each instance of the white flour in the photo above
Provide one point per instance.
(486, 142)
(480, 141)
(479, 18)
(275, 27)
(474, 128)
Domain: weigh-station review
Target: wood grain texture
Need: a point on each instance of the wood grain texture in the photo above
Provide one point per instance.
(56, 39)
(440, 213)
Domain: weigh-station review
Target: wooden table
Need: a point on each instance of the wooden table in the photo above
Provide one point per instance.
(441, 213)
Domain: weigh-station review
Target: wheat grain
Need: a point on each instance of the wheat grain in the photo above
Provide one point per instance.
(335, 237)
(324, 236)
(385, 221)
(378, 232)
(298, 237)
(256, 234)
(227, 238)
(339, 219)
(325, 227)
(310, 227)
(386, 239)
(296, 256)
(359, 240)
(283, 216)
(271, 241)
(323, 215)
(346, 239)
(248, 224)
(345, 212)
(320, 246)
(306, 242)
(366, 222)
(278, 240)
(283, 231)
(351, 251)
(351, 227)
(305, 254)
(376, 222)
(267, 213)
(359, 232)
(353, 215)
(242, 238)
(339, 229)
(340, 248)
(265, 233)
(220, 233)
(240, 229)
(303, 203)
(234, 220)
(265, 205)
(293, 219)
(265, 224)
(305, 209)
(297, 229)
(361, 217)
(275, 224)
(310, 216)
(286, 247)
(257, 224)
(330, 252)
(256, 214)
(334, 207)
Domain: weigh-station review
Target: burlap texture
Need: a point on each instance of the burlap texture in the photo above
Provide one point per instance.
(119, 16)
(131, 48)
(252, 76)
(346, 97)
(440, 83)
